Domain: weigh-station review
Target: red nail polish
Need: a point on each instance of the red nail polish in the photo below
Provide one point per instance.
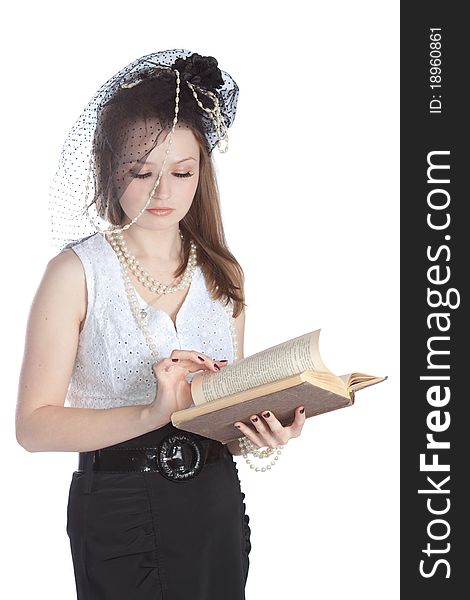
(237, 426)
(266, 414)
(301, 411)
(217, 367)
(175, 359)
(254, 419)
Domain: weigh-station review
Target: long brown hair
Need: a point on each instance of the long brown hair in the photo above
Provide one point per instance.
(203, 222)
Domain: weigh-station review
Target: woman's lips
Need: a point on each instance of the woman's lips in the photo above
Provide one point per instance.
(160, 211)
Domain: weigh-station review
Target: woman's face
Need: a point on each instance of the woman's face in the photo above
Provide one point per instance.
(178, 182)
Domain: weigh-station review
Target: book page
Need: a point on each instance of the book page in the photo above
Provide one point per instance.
(359, 381)
(272, 364)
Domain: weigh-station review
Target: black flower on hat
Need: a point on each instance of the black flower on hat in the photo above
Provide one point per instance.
(200, 70)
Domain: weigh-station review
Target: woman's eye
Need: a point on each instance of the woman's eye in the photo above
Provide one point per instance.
(183, 174)
(140, 175)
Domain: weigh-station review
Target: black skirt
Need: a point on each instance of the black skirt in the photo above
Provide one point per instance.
(140, 536)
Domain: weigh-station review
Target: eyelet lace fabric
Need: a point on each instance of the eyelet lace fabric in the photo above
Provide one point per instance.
(113, 365)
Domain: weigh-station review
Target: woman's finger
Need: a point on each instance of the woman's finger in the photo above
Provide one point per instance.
(250, 434)
(222, 362)
(272, 438)
(192, 358)
(263, 436)
(289, 431)
(271, 422)
(297, 424)
(166, 365)
(269, 430)
(162, 365)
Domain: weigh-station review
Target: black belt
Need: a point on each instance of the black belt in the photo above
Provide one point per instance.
(178, 457)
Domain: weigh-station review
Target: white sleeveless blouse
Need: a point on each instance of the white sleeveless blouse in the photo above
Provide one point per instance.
(113, 365)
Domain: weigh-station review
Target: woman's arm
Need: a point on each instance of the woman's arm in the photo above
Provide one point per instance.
(233, 447)
(43, 423)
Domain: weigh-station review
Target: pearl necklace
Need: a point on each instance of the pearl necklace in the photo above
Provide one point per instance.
(139, 314)
(247, 446)
(120, 247)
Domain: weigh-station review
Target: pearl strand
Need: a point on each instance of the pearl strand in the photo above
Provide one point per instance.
(245, 444)
(138, 313)
(233, 331)
(120, 247)
(215, 115)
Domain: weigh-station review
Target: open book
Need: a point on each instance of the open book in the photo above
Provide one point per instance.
(277, 379)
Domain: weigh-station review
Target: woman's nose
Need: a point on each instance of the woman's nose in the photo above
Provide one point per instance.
(163, 187)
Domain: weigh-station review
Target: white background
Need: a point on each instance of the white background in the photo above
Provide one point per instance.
(309, 192)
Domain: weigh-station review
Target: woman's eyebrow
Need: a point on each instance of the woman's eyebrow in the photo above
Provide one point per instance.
(176, 162)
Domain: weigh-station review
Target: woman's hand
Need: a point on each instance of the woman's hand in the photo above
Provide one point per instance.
(268, 431)
(173, 390)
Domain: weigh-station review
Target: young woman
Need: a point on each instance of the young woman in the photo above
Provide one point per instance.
(122, 320)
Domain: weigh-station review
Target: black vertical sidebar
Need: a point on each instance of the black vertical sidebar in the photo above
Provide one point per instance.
(435, 268)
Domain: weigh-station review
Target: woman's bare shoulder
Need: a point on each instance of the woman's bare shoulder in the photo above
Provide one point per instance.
(65, 269)
(64, 281)
(64, 257)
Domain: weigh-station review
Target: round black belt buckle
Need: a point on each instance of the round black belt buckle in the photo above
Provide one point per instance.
(180, 456)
